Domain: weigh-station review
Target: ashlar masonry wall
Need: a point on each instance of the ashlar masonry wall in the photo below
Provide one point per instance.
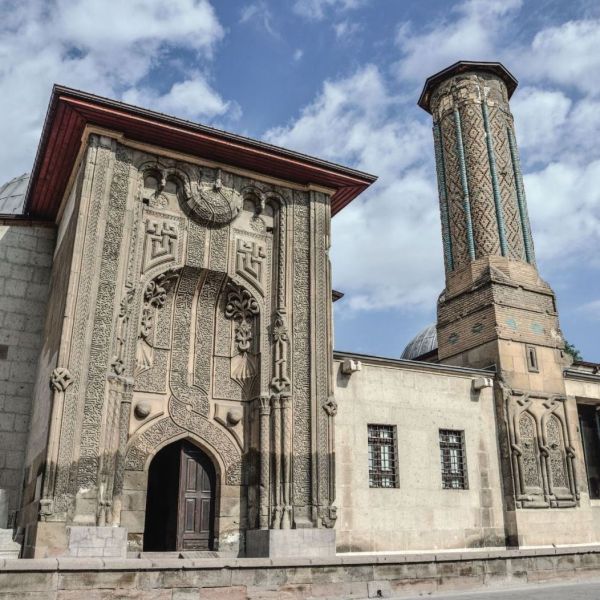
(418, 399)
(26, 250)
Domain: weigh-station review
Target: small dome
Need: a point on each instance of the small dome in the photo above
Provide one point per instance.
(12, 195)
(423, 343)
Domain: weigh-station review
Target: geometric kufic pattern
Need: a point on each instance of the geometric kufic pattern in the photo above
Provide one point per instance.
(485, 222)
(456, 211)
(506, 181)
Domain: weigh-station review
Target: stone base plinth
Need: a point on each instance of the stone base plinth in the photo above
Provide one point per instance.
(8, 547)
(101, 542)
(290, 542)
(337, 578)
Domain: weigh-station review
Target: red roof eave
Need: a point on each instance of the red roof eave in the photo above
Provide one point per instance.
(70, 111)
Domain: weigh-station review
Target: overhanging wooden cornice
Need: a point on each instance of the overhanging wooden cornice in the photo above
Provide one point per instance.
(70, 111)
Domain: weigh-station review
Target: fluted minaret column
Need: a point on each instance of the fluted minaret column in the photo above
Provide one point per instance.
(482, 202)
(488, 249)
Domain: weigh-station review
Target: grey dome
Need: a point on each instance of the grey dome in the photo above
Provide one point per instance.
(12, 195)
(423, 343)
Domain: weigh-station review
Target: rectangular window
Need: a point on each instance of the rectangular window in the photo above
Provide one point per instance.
(382, 456)
(454, 464)
(532, 362)
(590, 433)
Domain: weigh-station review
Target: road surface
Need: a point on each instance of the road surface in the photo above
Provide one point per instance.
(570, 591)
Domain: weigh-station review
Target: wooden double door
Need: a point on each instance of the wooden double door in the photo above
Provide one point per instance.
(180, 509)
(196, 511)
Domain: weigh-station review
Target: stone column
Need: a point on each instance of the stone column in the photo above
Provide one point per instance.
(276, 411)
(123, 436)
(265, 459)
(286, 419)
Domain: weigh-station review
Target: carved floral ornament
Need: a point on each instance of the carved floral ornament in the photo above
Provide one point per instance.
(155, 296)
(242, 308)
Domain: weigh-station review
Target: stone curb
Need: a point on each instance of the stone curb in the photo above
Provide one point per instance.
(148, 564)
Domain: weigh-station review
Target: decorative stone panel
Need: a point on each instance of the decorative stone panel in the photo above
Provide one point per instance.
(543, 454)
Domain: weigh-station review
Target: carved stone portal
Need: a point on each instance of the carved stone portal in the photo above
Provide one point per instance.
(195, 317)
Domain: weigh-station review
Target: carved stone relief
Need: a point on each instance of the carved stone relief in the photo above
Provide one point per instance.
(155, 296)
(250, 259)
(60, 379)
(242, 309)
(281, 381)
(214, 203)
(104, 310)
(301, 362)
(118, 362)
(99, 162)
(542, 452)
(231, 417)
(159, 244)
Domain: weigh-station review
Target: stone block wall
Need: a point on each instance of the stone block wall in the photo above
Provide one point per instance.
(25, 262)
(417, 400)
(103, 542)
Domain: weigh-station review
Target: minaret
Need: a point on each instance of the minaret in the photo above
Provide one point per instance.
(493, 290)
(495, 310)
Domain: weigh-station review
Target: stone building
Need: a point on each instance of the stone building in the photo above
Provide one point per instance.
(166, 364)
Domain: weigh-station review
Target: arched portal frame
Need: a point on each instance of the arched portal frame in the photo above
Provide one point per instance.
(181, 499)
(135, 483)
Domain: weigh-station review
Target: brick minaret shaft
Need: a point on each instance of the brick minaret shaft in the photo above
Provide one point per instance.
(495, 308)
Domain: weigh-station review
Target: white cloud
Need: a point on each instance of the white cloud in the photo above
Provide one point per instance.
(564, 204)
(259, 13)
(346, 29)
(552, 127)
(317, 9)
(472, 35)
(88, 23)
(103, 46)
(298, 54)
(540, 116)
(191, 99)
(567, 54)
(386, 248)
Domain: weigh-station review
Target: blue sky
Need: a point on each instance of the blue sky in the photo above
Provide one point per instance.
(340, 79)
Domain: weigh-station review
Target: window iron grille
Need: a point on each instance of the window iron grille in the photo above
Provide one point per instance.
(454, 463)
(382, 456)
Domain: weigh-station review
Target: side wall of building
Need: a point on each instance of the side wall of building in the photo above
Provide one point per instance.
(25, 261)
(418, 514)
(42, 393)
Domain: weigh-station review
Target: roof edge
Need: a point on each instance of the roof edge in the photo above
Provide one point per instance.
(74, 109)
(412, 364)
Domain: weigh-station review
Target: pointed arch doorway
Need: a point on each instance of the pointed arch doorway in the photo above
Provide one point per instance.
(180, 504)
